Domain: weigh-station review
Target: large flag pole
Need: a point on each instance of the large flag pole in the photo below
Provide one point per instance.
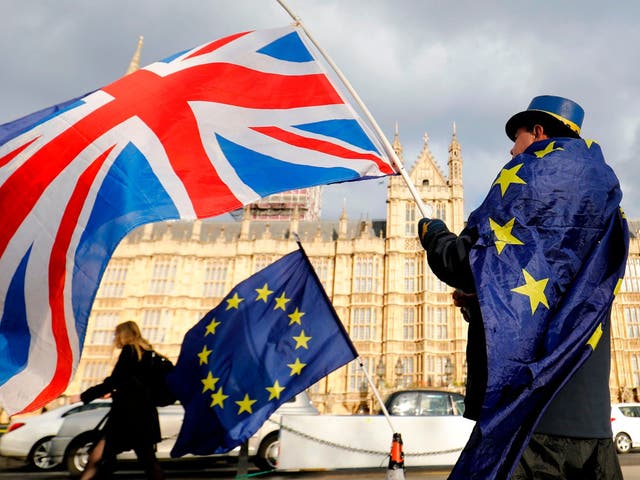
(387, 146)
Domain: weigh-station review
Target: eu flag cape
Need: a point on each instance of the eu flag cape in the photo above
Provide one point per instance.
(274, 335)
(195, 135)
(551, 252)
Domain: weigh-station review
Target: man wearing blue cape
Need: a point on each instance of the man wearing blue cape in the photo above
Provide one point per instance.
(536, 270)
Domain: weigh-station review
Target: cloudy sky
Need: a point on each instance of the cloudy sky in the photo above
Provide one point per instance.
(421, 63)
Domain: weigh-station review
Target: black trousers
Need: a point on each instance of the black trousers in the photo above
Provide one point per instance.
(564, 458)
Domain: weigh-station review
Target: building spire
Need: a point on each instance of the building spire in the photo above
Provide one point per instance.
(425, 145)
(454, 141)
(343, 214)
(397, 146)
(342, 224)
(135, 60)
(455, 160)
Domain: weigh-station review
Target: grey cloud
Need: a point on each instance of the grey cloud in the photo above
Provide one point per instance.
(421, 63)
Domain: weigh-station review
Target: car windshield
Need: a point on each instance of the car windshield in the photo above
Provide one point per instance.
(425, 403)
(404, 404)
(435, 404)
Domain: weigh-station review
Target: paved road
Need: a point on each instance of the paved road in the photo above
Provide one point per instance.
(10, 470)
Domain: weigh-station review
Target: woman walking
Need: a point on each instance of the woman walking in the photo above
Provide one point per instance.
(132, 422)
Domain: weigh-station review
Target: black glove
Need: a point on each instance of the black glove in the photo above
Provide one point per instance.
(429, 226)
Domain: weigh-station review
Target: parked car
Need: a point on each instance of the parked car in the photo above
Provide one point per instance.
(421, 402)
(431, 423)
(625, 423)
(77, 434)
(28, 438)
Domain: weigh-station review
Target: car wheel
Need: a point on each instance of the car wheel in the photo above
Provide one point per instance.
(623, 443)
(268, 452)
(39, 457)
(77, 454)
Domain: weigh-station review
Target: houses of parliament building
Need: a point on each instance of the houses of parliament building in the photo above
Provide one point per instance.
(400, 317)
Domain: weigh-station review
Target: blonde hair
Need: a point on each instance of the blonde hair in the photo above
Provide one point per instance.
(128, 333)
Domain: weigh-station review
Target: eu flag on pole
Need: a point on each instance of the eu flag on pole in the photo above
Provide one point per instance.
(549, 260)
(195, 135)
(274, 335)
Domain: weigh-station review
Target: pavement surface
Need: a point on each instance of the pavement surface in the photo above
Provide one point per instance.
(197, 470)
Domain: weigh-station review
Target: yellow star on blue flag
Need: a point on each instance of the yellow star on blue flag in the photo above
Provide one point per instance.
(233, 302)
(263, 293)
(302, 340)
(245, 404)
(203, 355)
(211, 328)
(509, 176)
(275, 390)
(295, 317)
(281, 302)
(503, 234)
(534, 289)
(209, 382)
(550, 148)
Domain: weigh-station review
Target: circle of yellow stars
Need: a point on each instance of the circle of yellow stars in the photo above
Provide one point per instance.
(209, 383)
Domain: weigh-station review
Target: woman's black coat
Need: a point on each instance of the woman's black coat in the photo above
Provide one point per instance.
(133, 419)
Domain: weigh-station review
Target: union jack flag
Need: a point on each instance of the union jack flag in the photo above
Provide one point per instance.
(198, 134)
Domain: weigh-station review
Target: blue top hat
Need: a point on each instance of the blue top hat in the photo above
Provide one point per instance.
(563, 114)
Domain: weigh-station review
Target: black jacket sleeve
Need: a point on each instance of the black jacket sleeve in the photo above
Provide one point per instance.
(448, 256)
(121, 372)
(448, 253)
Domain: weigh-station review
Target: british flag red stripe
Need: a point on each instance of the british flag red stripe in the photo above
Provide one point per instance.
(323, 146)
(57, 274)
(196, 135)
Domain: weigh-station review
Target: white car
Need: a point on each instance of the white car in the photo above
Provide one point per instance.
(77, 433)
(29, 437)
(625, 423)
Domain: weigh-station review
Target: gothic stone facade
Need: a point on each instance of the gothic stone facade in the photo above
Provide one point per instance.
(398, 314)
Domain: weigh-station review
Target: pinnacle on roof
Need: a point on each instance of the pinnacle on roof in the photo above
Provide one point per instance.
(454, 139)
(425, 145)
(135, 60)
(343, 215)
(397, 146)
